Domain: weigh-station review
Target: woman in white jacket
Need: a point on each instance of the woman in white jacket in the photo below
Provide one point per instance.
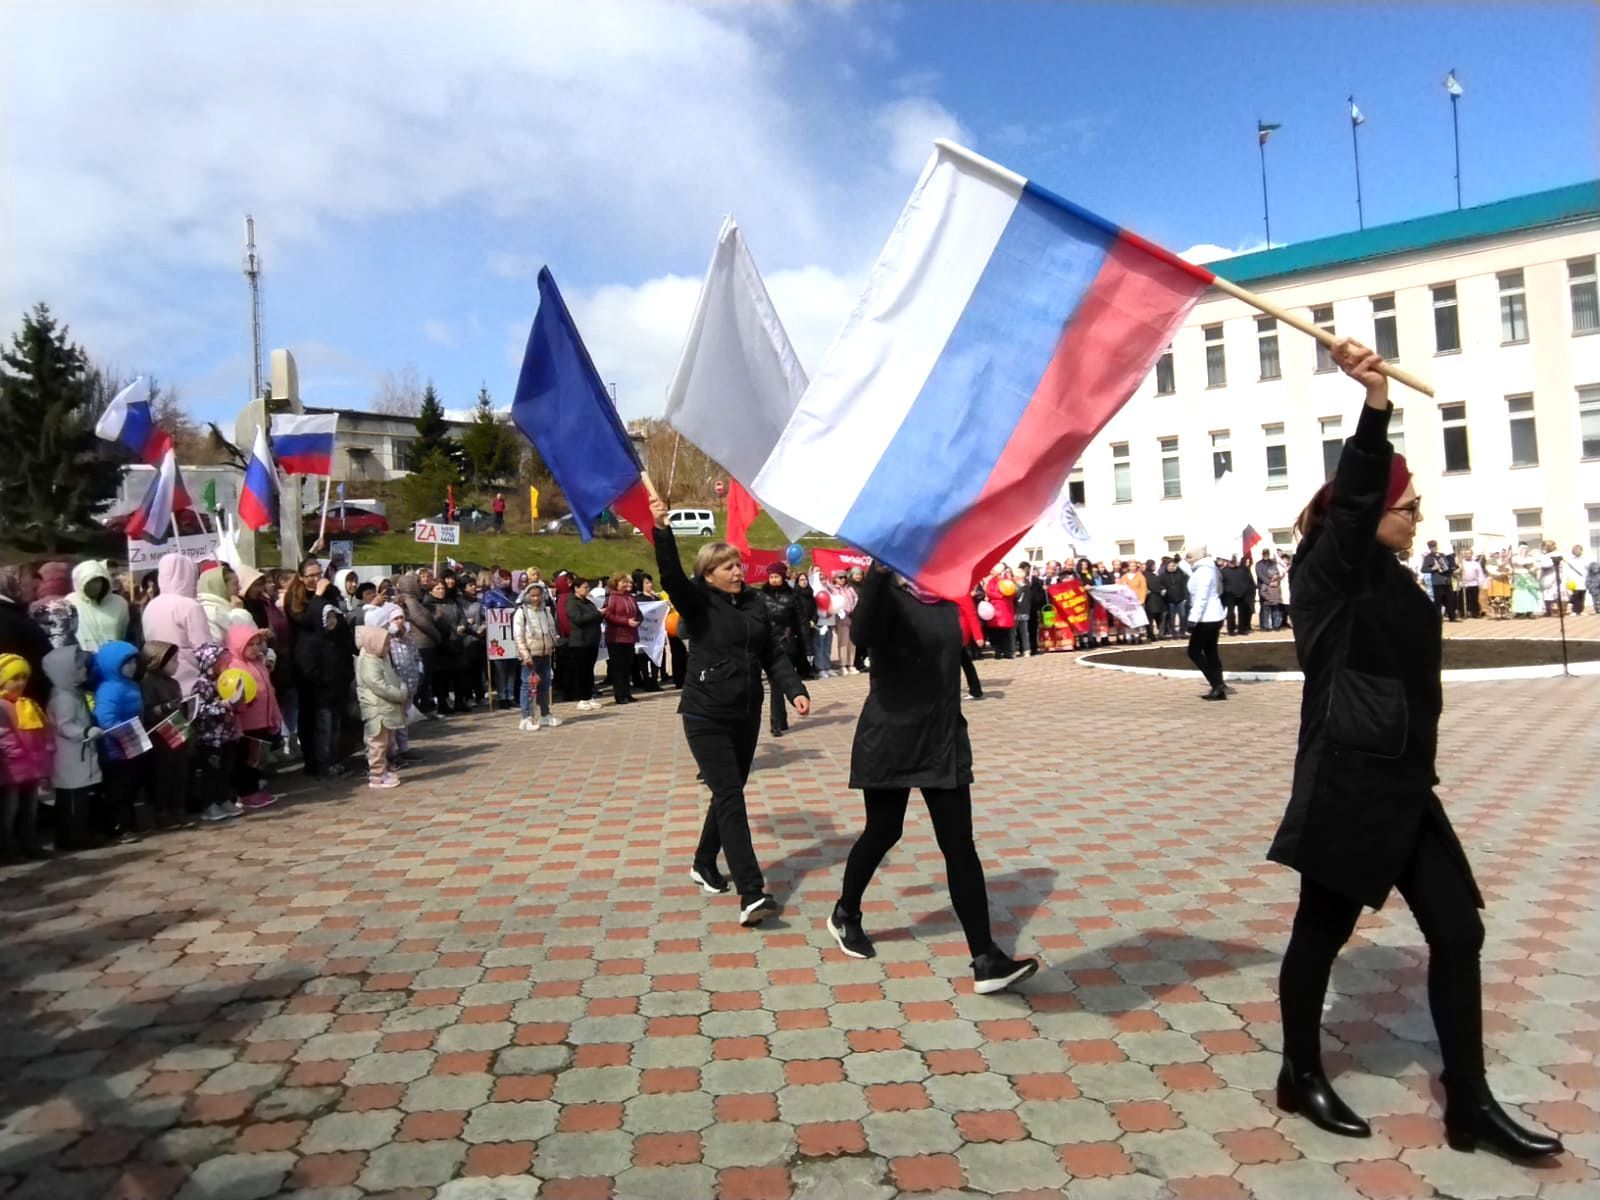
(1206, 612)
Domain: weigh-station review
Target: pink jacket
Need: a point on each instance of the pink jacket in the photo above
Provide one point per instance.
(262, 712)
(26, 755)
(177, 616)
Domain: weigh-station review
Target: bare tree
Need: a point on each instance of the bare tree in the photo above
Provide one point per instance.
(399, 393)
(696, 472)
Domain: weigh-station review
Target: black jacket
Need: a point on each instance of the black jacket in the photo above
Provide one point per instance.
(584, 619)
(785, 613)
(805, 602)
(323, 666)
(911, 732)
(19, 635)
(1239, 585)
(1175, 586)
(731, 640)
(1368, 641)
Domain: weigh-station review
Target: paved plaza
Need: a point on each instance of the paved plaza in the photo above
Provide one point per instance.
(499, 982)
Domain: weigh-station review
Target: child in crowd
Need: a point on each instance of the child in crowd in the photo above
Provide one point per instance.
(76, 771)
(260, 718)
(27, 753)
(534, 629)
(383, 703)
(118, 700)
(217, 727)
(407, 665)
(167, 772)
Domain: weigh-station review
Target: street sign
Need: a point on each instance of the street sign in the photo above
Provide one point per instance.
(436, 534)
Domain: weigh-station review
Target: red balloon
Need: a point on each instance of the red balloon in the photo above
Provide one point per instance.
(824, 602)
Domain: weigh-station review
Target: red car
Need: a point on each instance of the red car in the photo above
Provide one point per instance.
(355, 520)
(189, 522)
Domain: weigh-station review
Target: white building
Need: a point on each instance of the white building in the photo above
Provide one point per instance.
(1495, 306)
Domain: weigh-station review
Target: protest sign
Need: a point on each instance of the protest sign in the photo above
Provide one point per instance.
(1118, 600)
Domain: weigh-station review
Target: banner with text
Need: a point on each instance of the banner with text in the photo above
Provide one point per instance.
(1118, 600)
(1071, 605)
(652, 631)
(497, 633)
(143, 556)
(829, 561)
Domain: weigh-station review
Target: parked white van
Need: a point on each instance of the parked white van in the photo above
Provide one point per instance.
(697, 522)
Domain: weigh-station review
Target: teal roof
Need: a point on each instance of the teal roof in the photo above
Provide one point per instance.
(1555, 207)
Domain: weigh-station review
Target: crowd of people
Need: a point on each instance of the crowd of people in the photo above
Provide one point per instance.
(1513, 582)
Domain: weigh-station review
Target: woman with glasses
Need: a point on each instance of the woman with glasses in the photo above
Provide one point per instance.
(1363, 817)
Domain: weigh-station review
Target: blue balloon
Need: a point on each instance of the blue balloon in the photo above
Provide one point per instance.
(794, 554)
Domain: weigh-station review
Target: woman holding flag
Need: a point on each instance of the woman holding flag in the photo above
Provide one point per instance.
(731, 641)
(1363, 818)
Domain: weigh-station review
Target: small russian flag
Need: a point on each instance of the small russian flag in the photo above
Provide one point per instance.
(1251, 539)
(154, 514)
(257, 498)
(129, 422)
(305, 443)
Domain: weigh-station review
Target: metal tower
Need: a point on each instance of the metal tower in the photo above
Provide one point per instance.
(252, 272)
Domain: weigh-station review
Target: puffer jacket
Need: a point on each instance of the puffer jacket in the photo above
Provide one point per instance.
(51, 610)
(214, 717)
(116, 697)
(1205, 592)
(77, 764)
(621, 608)
(423, 633)
(383, 697)
(534, 629)
(730, 643)
(27, 746)
(162, 695)
(583, 621)
(220, 612)
(263, 712)
(100, 621)
(322, 666)
(784, 610)
(177, 616)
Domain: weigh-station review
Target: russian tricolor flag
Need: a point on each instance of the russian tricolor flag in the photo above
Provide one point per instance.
(305, 443)
(1001, 328)
(129, 423)
(258, 497)
(150, 520)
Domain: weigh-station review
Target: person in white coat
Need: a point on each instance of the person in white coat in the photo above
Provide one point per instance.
(1206, 612)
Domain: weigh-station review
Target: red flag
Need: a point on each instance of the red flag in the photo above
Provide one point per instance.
(742, 510)
(450, 504)
(1252, 539)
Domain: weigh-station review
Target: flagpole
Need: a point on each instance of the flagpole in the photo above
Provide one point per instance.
(1322, 335)
(1266, 213)
(1355, 144)
(1455, 129)
(327, 489)
(177, 537)
(672, 471)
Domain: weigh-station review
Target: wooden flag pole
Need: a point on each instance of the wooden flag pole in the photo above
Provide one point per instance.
(672, 471)
(176, 536)
(1322, 335)
(322, 529)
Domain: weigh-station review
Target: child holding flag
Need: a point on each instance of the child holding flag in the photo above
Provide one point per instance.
(118, 701)
(171, 758)
(76, 771)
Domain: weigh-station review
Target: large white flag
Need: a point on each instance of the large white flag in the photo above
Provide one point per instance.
(738, 380)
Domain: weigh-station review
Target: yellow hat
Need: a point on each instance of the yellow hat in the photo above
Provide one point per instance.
(13, 667)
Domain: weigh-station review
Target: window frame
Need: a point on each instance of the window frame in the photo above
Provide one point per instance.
(1388, 347)
(1166, 361)
(1537, 540)
(1121, 472)
(1450, 424)
(1279, 442)
(1331, 464)
(1513, 307)
(1221, 453)
(1171, 489)
(1216, 373)
(1267, 337)
(1588, 448)
(1453, 307)
(1322, 318)
(1517, 416)
(1589, 281)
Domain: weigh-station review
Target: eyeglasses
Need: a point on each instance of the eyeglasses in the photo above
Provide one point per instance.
(1412, 510)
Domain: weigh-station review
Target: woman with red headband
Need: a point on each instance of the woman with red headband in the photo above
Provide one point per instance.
(1363, 817)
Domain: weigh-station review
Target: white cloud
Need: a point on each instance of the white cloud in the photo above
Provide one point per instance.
(912, 124)
(1209, 252)
(506, 264)
(439, 333)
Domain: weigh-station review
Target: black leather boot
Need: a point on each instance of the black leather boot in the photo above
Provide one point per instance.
(1306, 1090)
(1474, 1118)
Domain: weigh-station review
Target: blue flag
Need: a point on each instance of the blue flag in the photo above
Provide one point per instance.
(563, 408)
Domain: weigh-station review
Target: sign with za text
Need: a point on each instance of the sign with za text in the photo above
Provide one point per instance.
(143, 556)
(436, 534)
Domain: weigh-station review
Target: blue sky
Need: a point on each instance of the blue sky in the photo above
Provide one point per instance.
(411, 166)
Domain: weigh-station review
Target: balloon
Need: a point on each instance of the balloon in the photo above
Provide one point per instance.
(672, 624)
(236, 686)
(824, 602)
(794, 554)
(985, 611)
(1007, 588)
(1048, 618)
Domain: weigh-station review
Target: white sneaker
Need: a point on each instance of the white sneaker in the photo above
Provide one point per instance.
(384, 781)
(524, 725)
(549, 721)
(215, 813)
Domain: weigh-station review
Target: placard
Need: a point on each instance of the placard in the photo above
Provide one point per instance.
(436, 534)
(498, 634)
(144, 556)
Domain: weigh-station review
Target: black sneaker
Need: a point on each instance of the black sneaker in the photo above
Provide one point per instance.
(757, 910)
(847, 931)
(996, 971)
(709, 878)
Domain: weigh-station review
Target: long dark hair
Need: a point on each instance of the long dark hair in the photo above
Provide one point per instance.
(1313, 515)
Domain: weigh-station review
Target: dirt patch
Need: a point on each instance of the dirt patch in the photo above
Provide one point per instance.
(1460, 654)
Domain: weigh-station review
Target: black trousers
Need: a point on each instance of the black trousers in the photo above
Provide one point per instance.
(724, 750)
(1239, 615)
(580, 671)
(427, 656)
(217, 765)
(167, 779)
(124, 785)
(619, 671)
(1445, 597)
(951, 810)
(1003, 641)
(970, 670)
(678, 654)
(1441, 898)
(1203, 650)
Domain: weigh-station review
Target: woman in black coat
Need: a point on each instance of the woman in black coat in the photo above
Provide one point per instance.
(583, 644)
(1363, 817)
(912, 735)
(731, 640)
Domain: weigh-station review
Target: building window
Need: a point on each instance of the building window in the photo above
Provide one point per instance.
(1446, 321)
(1165, 381)
(1589, 420)
(1277, 457)
(1216, 359)
(1594, 527)
(1585, 302)
(1385, 333)
(1456, 455)
(1121, 472)
(1322, 318)
(1513, 308)
(1267, 345)
(1460, 533)
(400, 454)
(1530, 527)
(1283, 539)
(1524, 436)
(1332, 445)
(1221, 455)
(1075, 491)
(1125, 549)
(1397, 430)
(1175, 545)
(1171, 481)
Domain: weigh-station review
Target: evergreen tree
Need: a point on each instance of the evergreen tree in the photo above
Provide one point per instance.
(491, 446)
(433, 431)
(57, 475)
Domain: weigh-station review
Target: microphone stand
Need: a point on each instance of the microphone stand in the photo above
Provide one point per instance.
(1561, 614)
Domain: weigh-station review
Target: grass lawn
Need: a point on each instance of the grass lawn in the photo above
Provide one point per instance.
(603, 556)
